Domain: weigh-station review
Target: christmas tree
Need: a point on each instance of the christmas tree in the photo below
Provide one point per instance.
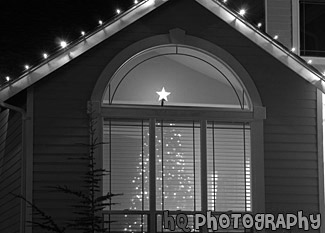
(174, 175)
(175, 168)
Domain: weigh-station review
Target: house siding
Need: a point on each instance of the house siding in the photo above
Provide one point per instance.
(290, 128)
(290, 133)
(10, 170)
(279, 20)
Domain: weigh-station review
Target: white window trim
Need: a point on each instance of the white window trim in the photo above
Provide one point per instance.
(258, 113)
(320, 106)
(320, 150)
(256, 127)
(296, 34)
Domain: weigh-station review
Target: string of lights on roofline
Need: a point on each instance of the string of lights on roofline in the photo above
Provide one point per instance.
(240, 14)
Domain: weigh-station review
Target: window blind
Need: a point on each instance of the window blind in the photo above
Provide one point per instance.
(126, 151)
(178, 166)
(228, 155)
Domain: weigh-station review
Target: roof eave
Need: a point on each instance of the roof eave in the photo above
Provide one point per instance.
(266, 43)
(233, 20)
(71, 52)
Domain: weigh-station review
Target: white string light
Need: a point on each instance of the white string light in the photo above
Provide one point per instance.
(242, 12)
(63, 44)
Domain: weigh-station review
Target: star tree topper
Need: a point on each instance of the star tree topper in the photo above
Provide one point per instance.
(163, 95)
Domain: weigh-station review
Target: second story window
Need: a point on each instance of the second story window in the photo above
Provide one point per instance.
(312, 28)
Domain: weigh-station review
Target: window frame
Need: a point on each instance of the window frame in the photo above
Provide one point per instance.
(318, 61)
(255, 116)
(154, 114)
(220, 70)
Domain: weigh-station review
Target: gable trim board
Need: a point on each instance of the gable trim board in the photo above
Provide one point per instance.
(234, 20)
(320, 148)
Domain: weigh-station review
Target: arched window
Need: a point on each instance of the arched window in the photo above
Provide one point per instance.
(193, 78)
(177, 136)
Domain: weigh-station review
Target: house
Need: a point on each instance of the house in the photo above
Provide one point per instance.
(197, 108)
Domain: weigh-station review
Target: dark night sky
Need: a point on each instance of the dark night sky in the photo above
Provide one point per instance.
(30, 28)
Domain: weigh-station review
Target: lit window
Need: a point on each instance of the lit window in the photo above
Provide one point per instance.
(161, 151)
(178, 168)
(178, 70)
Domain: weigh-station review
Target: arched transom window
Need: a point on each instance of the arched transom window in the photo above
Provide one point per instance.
(192, 77)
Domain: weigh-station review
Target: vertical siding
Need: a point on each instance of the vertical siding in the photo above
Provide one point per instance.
(291, 180)
(279, 20)
(10, 170)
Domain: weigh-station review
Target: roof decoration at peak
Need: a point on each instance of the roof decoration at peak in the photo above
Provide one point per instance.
(236, 19)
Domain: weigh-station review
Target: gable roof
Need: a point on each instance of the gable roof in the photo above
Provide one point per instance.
(233, 19)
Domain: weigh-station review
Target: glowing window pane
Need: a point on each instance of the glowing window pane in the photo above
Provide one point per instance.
(193, 77)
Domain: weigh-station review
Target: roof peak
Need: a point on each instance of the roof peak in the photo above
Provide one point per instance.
(218, 8)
